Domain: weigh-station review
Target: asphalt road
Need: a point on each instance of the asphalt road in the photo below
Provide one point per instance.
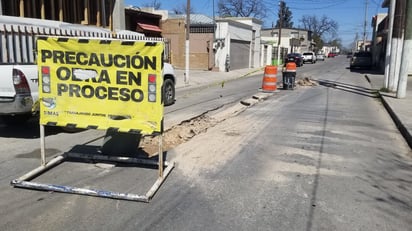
(317, 158)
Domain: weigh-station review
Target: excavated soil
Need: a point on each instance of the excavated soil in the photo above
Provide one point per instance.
(306, 82)
(178, 134)
(186, 130)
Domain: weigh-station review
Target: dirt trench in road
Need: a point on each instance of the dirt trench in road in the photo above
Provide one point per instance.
(188, 129)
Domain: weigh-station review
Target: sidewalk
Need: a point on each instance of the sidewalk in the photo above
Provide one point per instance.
(399, 109)
(199, 78)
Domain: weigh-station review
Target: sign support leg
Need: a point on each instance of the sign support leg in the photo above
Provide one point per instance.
(42, 146)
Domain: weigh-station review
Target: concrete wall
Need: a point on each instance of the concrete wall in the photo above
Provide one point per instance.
(200, 45)
(119, 20)
(201, 51)
(174, 31)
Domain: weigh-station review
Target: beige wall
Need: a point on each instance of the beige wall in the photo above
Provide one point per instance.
(201, 52)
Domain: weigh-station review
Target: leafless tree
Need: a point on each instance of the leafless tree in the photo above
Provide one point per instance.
(182, 9)
(242, 8)
(321, 27)
(154, 3)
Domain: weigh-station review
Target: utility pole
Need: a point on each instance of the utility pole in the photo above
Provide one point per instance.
(396, 45)
(389, 43)
(355, 46)
(364, 26)
(187, 41)
(280, 28)
(407, 47)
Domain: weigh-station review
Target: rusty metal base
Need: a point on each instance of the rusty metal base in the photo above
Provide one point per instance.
(23, 181)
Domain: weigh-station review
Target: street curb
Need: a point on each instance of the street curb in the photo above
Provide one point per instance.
(220, 82)
(402, 129)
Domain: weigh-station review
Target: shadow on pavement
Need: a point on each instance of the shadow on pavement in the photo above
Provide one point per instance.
(365, 70)
(29, 130)
(373, 93)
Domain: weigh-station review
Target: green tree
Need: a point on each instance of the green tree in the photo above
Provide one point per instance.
(284, 16)
(319, 42)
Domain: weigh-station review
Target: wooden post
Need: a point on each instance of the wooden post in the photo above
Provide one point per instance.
(61, 10)
(21, 8)
(98, 13)
(42, 10)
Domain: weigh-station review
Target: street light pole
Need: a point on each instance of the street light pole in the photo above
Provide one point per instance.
(187, 41)
(364, 26)
(280, 29)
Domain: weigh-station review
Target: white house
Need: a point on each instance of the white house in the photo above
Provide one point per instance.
(237, 43)
(291, 40)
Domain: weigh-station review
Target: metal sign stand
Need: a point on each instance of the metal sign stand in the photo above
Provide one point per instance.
(24, 181)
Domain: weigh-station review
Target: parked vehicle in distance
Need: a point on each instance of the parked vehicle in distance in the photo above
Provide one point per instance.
(361, 59)
(332, 55)
(320, 57)
(309, 57)
(349, 55)
(298, 58)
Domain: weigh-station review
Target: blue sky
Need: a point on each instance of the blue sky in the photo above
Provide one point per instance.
(350, 14)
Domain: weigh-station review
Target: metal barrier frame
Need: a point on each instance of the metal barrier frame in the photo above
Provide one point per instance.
(24, 181)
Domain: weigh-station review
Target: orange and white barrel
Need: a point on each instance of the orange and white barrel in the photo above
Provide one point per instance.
(270, 79)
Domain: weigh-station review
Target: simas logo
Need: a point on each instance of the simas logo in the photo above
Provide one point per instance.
(49, 103)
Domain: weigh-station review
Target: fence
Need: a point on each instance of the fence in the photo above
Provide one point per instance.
(18, 42)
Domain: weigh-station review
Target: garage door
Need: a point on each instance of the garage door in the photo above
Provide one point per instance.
(239, 54)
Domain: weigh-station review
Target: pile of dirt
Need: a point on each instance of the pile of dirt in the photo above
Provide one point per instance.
(177, 134)
(306, 81)
(187, 129)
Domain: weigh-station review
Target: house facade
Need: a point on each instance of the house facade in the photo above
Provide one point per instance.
(237, 43)
(291, 41)
(379, 43)
(200, 36)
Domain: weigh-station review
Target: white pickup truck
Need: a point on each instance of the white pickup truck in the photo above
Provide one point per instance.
(309, 57)
(18, 71)
(18, 92)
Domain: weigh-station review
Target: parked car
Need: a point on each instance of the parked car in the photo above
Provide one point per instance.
(320, 57)
(298, 58)
(332, 55)
(309, 57)
(361, 59)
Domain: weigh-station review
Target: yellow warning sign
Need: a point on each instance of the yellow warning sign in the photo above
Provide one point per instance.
(101, 84)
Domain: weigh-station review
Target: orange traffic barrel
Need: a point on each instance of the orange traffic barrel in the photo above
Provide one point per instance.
(269, 79)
